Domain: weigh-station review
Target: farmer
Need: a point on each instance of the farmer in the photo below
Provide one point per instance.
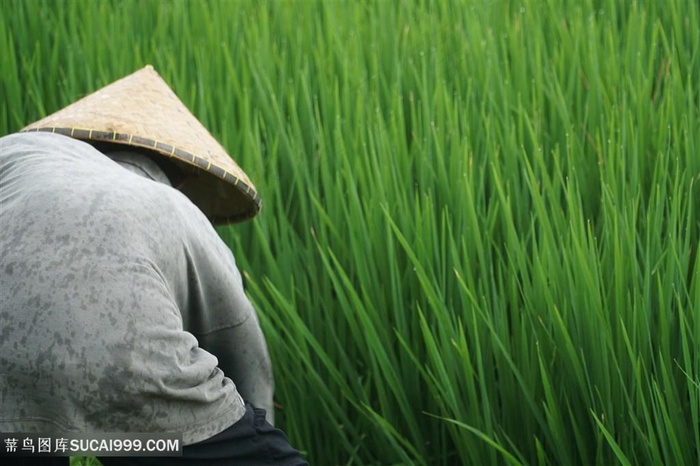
(121, 310)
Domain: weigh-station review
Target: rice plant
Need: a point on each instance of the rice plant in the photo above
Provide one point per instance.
(481, 220)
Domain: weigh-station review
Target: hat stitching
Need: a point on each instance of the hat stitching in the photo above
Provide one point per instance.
(152, 144)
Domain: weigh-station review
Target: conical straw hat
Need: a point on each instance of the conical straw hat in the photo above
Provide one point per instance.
(140, 110)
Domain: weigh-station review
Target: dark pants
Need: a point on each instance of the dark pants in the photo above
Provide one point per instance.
(251, 441)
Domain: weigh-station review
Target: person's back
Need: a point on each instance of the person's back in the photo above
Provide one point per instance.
(93, 292)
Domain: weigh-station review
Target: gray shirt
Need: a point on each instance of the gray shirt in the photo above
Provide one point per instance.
(112, 284)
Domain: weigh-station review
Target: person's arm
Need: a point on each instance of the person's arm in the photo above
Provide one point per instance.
(244, 358)
(218, 312)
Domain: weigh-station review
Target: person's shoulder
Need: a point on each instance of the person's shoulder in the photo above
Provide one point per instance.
(39, 152)
(37, 141)
(194, 221)
(158, 206)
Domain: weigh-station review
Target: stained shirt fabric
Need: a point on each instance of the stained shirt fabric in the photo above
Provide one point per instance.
(107, 278)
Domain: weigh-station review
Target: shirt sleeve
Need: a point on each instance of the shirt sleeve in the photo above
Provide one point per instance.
(210, 295)
(217, 312)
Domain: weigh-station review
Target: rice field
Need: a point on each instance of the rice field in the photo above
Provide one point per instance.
(481, 220)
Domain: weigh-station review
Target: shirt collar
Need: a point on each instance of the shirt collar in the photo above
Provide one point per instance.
(140, 164)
